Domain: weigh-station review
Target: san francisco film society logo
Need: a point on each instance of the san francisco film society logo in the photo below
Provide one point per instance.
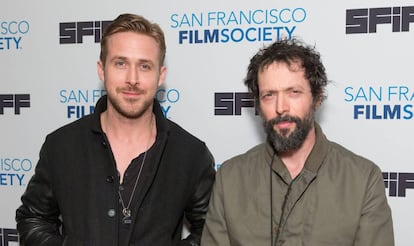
(12, 33)
(235, 26)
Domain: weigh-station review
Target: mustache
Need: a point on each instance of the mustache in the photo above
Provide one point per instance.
(284, 118)
(131, 89)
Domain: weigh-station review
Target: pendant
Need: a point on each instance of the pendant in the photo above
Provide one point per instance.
(126, 212)
(126, 220)
(127, 216)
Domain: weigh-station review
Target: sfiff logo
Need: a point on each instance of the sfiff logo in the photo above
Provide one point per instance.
(15, 102)
(8, 236)
(367, 20)
(232, 103)
(398, 183)
(75, 32)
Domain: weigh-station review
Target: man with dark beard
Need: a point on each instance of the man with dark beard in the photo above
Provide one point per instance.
(298, 188)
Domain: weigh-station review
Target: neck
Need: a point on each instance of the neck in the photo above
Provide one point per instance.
(128, 138)
(125, 129)
(295, 160)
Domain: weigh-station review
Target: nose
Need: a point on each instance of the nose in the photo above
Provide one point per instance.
(132, 76)
(282, 104)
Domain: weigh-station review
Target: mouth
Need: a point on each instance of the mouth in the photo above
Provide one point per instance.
(284, 124)
(133, 92)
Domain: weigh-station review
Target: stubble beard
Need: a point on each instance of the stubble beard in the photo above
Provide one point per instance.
(133, 108)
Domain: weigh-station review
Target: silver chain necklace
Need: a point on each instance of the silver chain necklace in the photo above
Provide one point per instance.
(126, 211)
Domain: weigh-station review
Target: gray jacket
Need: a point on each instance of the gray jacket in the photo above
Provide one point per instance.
(338, 199)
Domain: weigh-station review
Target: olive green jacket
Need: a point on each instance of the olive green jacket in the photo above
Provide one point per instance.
(338, 199)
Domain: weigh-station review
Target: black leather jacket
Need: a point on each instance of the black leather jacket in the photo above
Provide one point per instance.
(72, 198)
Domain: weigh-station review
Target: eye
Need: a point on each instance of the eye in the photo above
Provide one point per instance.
(295, 92)
(120, 63)
(145, 66)
(267, 95)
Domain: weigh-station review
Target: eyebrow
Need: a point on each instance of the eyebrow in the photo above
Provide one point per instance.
(286, 89)
(118, 58)
(124, 58)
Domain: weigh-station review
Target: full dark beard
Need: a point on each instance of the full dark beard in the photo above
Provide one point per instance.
(282, 142)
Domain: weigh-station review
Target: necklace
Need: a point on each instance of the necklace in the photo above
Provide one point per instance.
(126, 211)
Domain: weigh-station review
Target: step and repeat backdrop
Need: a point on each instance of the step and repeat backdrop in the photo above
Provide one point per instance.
(49, 50)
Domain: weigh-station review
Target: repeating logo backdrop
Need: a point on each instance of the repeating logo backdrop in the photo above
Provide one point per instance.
(49, 50)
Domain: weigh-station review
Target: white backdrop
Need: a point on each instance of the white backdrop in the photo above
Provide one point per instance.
(49, 50)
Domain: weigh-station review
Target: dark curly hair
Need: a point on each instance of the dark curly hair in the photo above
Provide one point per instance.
(289, 51)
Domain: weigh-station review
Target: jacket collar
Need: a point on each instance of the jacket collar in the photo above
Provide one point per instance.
(319, 151)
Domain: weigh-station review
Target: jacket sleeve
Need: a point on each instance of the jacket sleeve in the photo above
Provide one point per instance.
(215, 232)
(38, 216)
(196, 211)
(375, 226)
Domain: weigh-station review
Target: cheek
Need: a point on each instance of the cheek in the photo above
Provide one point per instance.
(267, 112)
(114, 77)
(304, 108)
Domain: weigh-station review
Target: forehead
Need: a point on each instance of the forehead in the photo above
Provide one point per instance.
(133, 45)
(281, 74)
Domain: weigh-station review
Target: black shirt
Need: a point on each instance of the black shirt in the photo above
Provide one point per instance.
(127, 186)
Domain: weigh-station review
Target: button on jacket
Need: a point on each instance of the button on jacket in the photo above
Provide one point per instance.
(338, 199)
(76, 181)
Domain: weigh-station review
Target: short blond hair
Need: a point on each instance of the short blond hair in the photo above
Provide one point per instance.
(133, 23)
